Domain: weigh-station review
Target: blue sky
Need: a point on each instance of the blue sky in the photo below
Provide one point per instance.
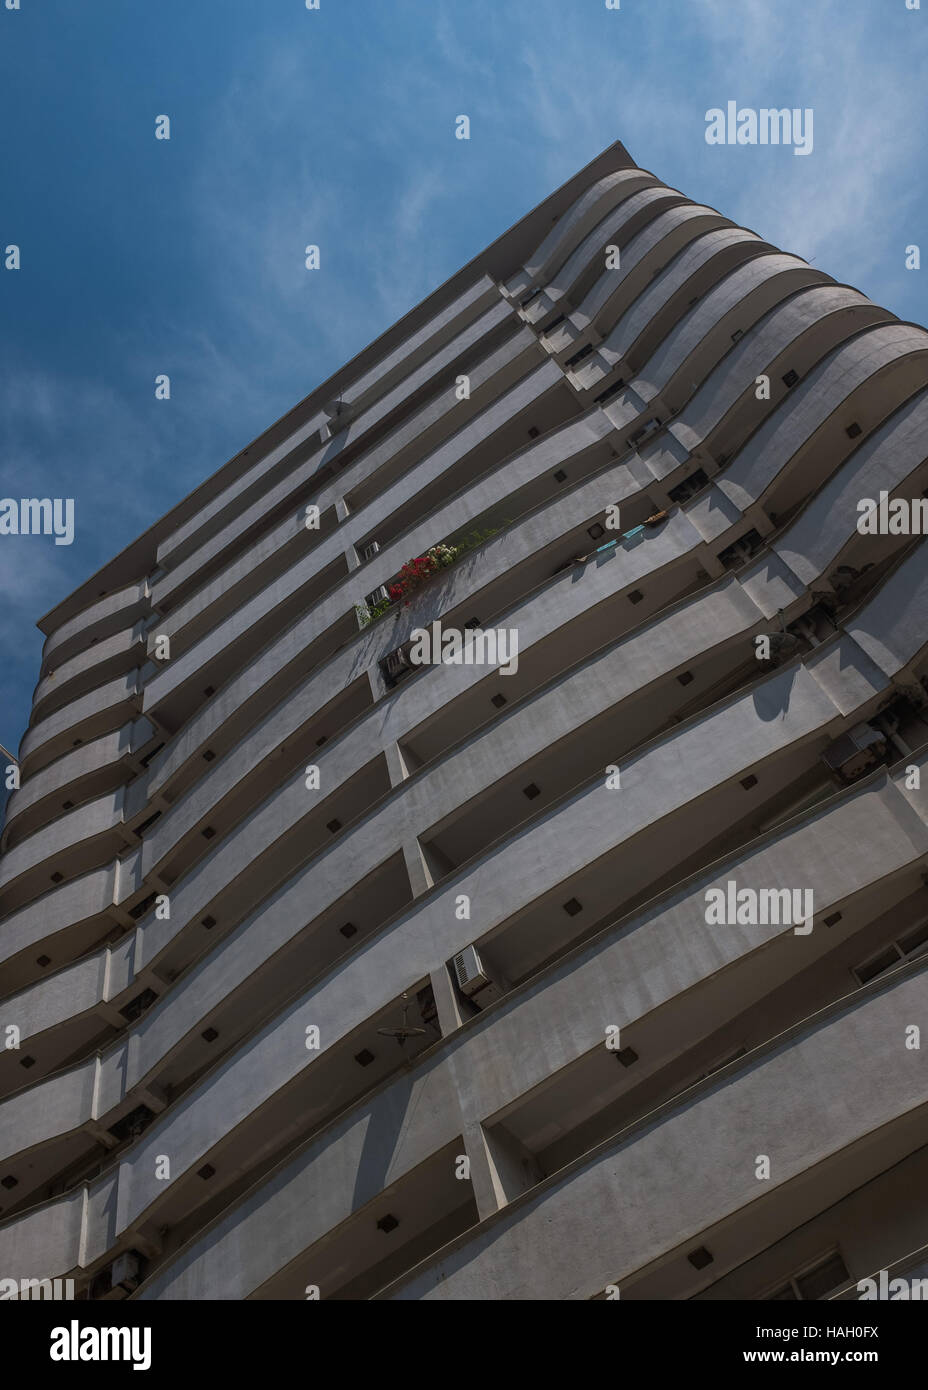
(336, 127)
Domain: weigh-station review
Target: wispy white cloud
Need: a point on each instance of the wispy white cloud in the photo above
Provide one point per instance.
(647, 77)
(858, 183)
(372, 174)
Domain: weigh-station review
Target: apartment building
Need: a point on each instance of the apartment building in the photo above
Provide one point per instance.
(589, 967)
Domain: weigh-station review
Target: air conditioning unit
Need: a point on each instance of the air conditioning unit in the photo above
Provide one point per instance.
(370, 550)
(472, 978)
(376, 595)
(855, 752)
(127, 1270)
(120, 1279)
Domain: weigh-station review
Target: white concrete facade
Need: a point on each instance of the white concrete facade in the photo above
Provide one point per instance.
(247, 847)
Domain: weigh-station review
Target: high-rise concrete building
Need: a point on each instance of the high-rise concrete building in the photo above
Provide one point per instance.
(588, 960)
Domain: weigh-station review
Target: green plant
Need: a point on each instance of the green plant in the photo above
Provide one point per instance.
(368, 614)
(473, 539)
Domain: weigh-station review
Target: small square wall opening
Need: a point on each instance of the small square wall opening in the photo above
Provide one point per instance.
(853, 431)
(749, 782)
(635, 596)
(700, 1258)
(531, 791)
(206, 1171)
(498, 701)
(333, 826)
(364, 1057)
(560, 476)
(572, 907)
(209, 1034)
(348, 930)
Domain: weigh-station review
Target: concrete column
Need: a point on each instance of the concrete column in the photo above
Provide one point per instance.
(396, 765)
(420, 880)
(446, 1002)
(500, 1168)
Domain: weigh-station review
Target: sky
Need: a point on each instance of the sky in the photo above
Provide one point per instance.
(336, 127)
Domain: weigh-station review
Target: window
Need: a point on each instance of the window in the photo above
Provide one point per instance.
(741, 550)
(396, 664)
(814, 1281)
(689, 487)
(137, 1006)
(907, 947)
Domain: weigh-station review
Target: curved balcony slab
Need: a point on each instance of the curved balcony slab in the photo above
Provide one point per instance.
(83, 900)
(614, 1212)
(77, 836)
(620, 226)
(197, 530)
(111, 613)
(93, 768)
(676, 772)
(671, 234)
(885, 460)
(100, 662)
(628, 973)
(99, 712)
(573, 225)
(809, 310)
